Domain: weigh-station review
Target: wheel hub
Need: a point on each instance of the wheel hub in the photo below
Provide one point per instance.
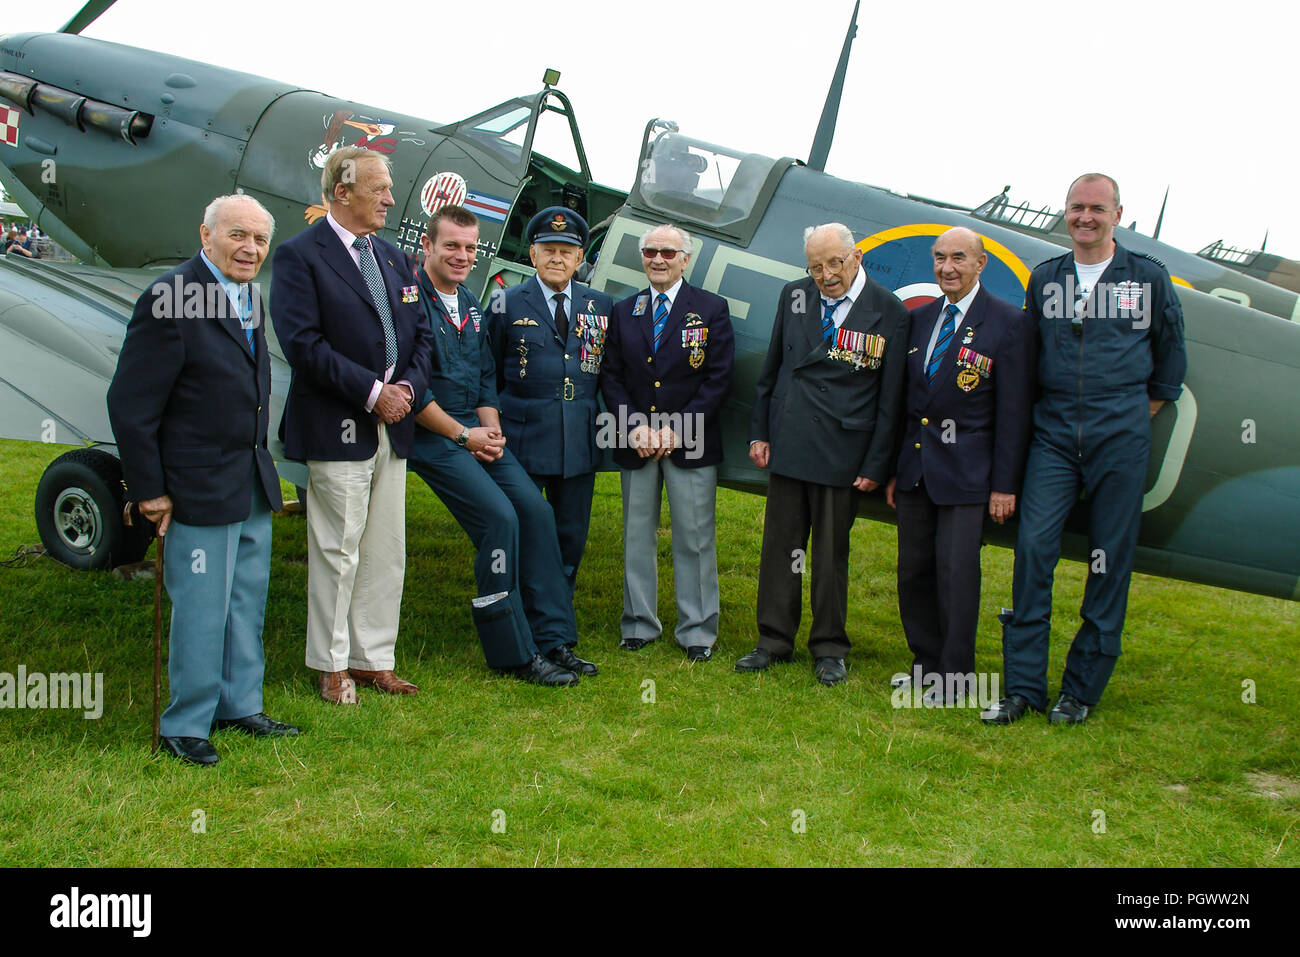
(77, 519)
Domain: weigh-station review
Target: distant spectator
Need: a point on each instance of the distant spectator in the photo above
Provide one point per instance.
(20, 244)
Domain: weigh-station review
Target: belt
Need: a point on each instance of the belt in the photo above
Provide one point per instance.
(569, 392)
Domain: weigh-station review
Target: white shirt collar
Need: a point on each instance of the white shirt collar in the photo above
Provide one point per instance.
(671, 292)
(963, 304)
(549, 294)
(346, 237)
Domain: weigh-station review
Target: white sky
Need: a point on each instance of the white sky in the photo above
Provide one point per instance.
(950, 100)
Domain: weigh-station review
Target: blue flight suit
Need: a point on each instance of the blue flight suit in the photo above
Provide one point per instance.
(1091, 432)
(506, 518)
(548, 394)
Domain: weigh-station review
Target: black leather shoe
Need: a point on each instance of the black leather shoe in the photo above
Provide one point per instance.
(191, 750)
(566, 659)
(539, 671)
(258, 725)
(830, 671)
(1009, 709)
(1069, 710)
(760, 659)
(634, 644)
(699, 652)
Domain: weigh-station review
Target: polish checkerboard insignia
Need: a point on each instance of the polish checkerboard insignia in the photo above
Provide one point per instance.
(9, 126)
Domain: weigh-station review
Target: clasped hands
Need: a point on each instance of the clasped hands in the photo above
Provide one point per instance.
(393, 404)
(651, 444)
(485, 443)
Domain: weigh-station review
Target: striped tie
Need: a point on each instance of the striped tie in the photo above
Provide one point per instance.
(375, 283)
(941, 344)
(828, 317)
(661, 318)
(246, 313)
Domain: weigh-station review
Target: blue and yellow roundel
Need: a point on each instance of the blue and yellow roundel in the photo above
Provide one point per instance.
(899, 259)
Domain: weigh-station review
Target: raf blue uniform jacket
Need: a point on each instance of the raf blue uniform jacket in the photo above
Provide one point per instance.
(189, 402)
(638, 379)
(330, 331)
(967, 434)
(548, 401)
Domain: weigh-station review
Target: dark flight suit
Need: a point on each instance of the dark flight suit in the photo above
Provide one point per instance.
(548, 399)
(1092, 432)
(506, 518)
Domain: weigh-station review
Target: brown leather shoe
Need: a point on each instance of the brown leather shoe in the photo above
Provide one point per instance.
(385, 681)
(337, 687)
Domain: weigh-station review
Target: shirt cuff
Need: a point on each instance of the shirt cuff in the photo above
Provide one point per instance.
(409, 388)
(374, 396)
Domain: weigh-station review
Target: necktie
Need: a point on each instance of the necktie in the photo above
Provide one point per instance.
(661, 318)
(828, 317)
(561, 318)
(375, 283)
(941, 344)
(246, 313)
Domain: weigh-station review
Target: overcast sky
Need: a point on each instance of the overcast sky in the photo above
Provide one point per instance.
(949, 100)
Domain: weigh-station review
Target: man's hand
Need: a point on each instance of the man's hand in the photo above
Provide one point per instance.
(487, 444)
(393, 404)
(760, 453)
(863, 484)
(889, 492)
(668, 441)
(1001, 506)
(159, 511)
(1154, 405)
(644, 441)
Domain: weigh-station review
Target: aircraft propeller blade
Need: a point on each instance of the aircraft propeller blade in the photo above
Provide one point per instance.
(1161, 218)
(86, 16)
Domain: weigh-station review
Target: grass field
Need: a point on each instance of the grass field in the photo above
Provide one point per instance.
(720, 768)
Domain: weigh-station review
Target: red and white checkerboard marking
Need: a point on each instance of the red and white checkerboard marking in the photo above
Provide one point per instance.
(9, 126)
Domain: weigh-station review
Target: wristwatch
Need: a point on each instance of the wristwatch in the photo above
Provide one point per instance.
(463, 439)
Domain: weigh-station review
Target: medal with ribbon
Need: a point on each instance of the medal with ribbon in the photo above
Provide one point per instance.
(694, 340)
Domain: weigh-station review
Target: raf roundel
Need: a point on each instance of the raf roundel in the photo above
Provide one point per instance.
(442, 190)
(900, 260)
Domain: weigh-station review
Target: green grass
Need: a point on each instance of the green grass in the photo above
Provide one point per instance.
(713, 772)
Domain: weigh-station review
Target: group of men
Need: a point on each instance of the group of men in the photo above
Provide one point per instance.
(496, 409)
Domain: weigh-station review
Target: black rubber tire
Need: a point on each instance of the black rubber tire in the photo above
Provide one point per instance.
(79, 512)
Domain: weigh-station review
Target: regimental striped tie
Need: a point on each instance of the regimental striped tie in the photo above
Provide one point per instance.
(375, 283)
(661, 318)
(941, 344)
(828, 317)
(246, 314)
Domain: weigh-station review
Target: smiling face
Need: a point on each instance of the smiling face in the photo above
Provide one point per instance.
(237, 245)
(958, 262)
(832, 264)
(555, 263)
(361, 202)
(664, 273)
(1091, 215)
(449, 256)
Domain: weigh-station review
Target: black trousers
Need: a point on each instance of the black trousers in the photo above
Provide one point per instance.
(939, 580)
(795, 508)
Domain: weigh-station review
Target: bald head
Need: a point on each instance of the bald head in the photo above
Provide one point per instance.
(959, 258)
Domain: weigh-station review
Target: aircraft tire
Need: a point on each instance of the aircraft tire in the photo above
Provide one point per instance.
(79, 512)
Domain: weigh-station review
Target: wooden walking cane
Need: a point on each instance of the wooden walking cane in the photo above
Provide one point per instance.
(157, 624)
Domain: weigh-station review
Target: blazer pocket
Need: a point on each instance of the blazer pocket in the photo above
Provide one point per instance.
(858, 425)
(202, 457)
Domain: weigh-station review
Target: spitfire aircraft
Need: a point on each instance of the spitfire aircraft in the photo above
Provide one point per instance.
(79, 115)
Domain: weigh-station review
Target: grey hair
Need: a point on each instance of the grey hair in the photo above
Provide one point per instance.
(685, 236)
(213, 212)
(842, 232)
(341, 166)
(1092, 178)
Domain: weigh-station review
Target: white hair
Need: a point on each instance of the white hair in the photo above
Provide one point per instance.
(685, 236)
(212, 214)
(842, 232)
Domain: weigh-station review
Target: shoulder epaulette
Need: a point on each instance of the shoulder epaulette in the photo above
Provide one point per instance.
(1134, 252)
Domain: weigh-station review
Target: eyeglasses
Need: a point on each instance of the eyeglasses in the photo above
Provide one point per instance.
(668, 254)
(831, 265)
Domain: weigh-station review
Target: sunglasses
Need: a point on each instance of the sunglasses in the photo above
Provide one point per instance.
(668, 254)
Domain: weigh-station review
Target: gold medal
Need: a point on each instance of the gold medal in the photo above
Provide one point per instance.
(697, 357)
(967, 379)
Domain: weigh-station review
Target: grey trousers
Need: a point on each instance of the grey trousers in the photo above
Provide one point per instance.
(692, 497)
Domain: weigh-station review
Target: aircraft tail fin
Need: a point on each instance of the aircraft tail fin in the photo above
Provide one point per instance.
(821, 147)
(1161, 218)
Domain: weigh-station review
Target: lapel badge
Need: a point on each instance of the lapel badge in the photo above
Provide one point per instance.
(642, 301)
(693, 319)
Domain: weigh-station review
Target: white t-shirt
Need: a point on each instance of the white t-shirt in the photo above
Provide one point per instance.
(1088, 275)
(451, 302)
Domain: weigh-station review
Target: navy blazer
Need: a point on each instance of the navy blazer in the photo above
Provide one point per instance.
(967, 435)
(331, 334)
(548, 401)
(634, 378)
(189, 402)
(830, 420)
